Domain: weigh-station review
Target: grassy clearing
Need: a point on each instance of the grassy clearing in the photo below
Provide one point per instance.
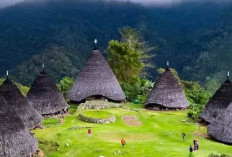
(159, 136)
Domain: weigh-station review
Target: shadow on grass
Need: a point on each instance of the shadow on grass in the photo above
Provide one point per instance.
(48, 146)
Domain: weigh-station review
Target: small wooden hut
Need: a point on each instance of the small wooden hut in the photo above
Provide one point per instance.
(166, 94)
(221, 127)
(15, 138)
(29, 116)
(218, 103)
(45, 96)
(96, 81)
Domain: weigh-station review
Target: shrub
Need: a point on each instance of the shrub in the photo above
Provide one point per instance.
(137, 89)
(65, 85)
(197, 97)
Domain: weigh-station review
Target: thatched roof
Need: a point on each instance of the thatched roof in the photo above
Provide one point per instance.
(96, 79)
(167, 93)
(44, 95)
(29, 116)
(221, 127)
(15, 139)
(218, 103)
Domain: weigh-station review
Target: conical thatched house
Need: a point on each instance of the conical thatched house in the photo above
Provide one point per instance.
(45, 97)
(29, 116)
(96, 81)
(166, 94)
(15, 138)
(221, 127)
(218, 103)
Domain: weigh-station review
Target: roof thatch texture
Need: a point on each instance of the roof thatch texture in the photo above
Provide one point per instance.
(96, 79)
(221, 127)
(29, 116)
(167, 93)
(218, 103)
(44, 95)
(15, 138)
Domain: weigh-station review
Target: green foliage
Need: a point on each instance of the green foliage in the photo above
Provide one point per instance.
(57, 64)
(134, 39)
(24, 89)
(197, 97)
(65, 85)
(72, 108)
(137, 89)
(129, 58)
(124, 61)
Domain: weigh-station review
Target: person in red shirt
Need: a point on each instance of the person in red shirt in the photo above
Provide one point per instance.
(123, 142)
(89, 132)
(195, 145)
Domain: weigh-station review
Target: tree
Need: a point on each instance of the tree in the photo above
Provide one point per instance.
(130, 56)
(197, 97)
(137, 89)
(124, 61)
(65, 85)
(135, 41)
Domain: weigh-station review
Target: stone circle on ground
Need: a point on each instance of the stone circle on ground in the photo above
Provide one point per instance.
(99, 117)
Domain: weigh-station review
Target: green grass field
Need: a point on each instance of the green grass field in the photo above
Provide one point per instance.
(96, 114)
(157, 135)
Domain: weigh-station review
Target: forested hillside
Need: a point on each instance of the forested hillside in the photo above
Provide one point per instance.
(195, 37)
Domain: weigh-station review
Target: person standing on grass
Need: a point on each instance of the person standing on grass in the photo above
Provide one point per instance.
(195, 145)
(190, 151)
(89, 132)
(183, 135)
(123, 142)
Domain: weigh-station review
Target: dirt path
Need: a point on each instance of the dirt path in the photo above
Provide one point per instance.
(131, 120)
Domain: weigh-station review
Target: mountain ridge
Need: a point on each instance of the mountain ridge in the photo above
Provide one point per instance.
(61, 34)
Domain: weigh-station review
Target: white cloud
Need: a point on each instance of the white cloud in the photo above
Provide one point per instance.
(5, 3)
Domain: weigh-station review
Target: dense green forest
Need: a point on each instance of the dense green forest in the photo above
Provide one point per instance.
(195, 37)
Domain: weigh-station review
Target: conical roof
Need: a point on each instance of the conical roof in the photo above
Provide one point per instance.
(29, 116)
(44, 95)
(221, 127)
(167, 93)
(15, 138)
(218, 103)
(96, 79)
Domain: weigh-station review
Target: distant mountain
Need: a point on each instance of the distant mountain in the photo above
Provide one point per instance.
(60, 33)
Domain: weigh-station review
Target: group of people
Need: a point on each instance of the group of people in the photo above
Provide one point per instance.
(195, 148)
(195, 143)
(191, 149)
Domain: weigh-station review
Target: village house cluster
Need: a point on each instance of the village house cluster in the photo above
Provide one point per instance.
(19, 114)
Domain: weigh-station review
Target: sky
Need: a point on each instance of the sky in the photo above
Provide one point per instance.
(5, 3)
